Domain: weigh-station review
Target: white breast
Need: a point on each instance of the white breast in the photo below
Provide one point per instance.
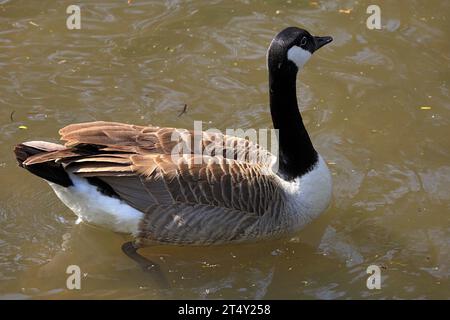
(93, 207)
(309, 195)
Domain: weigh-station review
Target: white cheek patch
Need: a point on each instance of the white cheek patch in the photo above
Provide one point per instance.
(298, 56)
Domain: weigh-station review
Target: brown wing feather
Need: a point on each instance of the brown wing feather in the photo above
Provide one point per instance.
(186, 202)
(207, 191)
(118, 137)
(218, 182)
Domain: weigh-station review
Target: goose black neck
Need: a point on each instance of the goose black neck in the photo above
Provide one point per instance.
(296, 152)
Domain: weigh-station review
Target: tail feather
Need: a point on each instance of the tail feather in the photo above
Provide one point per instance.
(50, 170)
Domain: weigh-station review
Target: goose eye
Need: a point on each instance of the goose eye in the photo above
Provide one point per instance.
(303, 41)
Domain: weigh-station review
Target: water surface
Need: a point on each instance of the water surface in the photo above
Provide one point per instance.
(376, 103)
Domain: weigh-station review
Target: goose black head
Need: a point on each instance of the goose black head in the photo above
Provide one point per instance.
(292, 48)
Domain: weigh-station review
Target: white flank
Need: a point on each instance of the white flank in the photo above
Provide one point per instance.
(309, 195)
(298, 56)
(93, 207)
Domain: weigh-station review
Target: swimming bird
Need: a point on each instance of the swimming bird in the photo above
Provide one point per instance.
(125, 177)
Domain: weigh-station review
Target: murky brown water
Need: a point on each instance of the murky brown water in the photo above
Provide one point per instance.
(141, 62)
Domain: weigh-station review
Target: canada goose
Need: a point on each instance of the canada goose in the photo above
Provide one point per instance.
(123, 177)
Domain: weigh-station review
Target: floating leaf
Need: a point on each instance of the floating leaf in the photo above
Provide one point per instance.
(346, 11)
(425, 108)
(23, 127)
